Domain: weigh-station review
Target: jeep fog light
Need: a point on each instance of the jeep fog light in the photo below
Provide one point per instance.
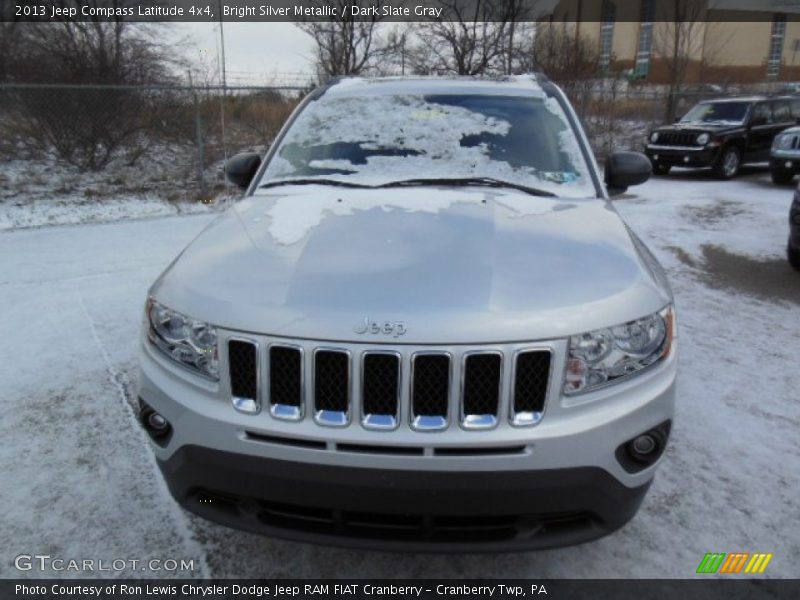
(187, 341)
(604, 356)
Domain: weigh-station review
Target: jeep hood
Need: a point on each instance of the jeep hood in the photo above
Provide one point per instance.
(455, 265)
(701, 127)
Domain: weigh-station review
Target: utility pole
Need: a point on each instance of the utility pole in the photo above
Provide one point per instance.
(224, 86)
(222, 45)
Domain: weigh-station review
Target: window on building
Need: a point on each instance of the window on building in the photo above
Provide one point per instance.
(642, 68)
(609, 13)
(776, 46)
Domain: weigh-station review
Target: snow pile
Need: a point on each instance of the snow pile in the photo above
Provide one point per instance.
(36, 193)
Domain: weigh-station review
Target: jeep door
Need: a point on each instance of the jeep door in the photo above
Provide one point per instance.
(760, 131)
(782, 116)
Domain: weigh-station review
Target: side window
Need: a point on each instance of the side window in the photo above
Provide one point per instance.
(762, 114)
(781, 112)
(795, 109)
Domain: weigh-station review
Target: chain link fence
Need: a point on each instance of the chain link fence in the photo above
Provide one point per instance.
(182, 132)
(173, 140)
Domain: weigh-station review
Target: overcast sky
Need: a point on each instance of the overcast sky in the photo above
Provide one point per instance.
(258, 52)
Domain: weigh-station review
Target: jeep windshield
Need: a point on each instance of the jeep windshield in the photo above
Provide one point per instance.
(722, 113)
(383, 140)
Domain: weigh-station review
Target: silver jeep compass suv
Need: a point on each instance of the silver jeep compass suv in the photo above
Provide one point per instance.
(424, 327)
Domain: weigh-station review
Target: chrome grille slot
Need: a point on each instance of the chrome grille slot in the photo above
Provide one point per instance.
(380, 390)
(430, 390)
(531, 377)
(286, 382)
(480, 389)
(243, 372)
(331, 387)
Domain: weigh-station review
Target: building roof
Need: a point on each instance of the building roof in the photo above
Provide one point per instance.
(769, 6)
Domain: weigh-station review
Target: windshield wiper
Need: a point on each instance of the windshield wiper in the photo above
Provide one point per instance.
(313, 181)
(467, 181)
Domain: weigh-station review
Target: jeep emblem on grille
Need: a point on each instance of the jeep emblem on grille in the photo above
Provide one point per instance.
(393, 328)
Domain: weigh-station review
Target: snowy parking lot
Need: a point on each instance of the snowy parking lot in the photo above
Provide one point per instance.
(79, 480)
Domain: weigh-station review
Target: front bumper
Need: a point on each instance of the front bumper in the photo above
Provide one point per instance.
(679, 156)
(512, 488)
(400, 510)
(794, 222)
(785, 161)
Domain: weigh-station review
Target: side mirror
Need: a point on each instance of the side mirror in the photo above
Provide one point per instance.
(624, 169)
(240, 168)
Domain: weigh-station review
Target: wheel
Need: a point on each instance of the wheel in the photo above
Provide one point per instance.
(793, 254)
(661, 168)
(782, 176)
(730, 160)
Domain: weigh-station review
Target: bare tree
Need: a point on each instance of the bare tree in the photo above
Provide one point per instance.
(517, 16)
(677, 41)
(467, 41)
(86, 126)
(570, 59)
(9, 42)
(474, 37)
(346, 44)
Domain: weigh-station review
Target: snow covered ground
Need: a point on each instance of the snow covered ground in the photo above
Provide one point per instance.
(78, 479)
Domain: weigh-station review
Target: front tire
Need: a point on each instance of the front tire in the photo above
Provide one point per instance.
(782, 176)
(728, 164)
(793, 254)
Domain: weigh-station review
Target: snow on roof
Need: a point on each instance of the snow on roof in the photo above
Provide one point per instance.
(517, 85)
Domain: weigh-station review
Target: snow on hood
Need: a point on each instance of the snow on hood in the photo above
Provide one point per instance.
(296, 210)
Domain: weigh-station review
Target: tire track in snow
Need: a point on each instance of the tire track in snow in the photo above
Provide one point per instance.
(119, 382)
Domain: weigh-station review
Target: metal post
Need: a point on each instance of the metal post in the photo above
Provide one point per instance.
(198, 124)
(224, 87)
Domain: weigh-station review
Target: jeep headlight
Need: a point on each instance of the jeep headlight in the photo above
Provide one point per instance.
(703, 139)
(603, 356)
(654, 137)
(187, 341)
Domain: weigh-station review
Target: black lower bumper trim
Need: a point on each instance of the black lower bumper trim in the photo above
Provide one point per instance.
(437, 511)
(676, 158)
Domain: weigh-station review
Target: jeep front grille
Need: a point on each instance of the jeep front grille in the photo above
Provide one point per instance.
(382, 387)
(677, 138)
